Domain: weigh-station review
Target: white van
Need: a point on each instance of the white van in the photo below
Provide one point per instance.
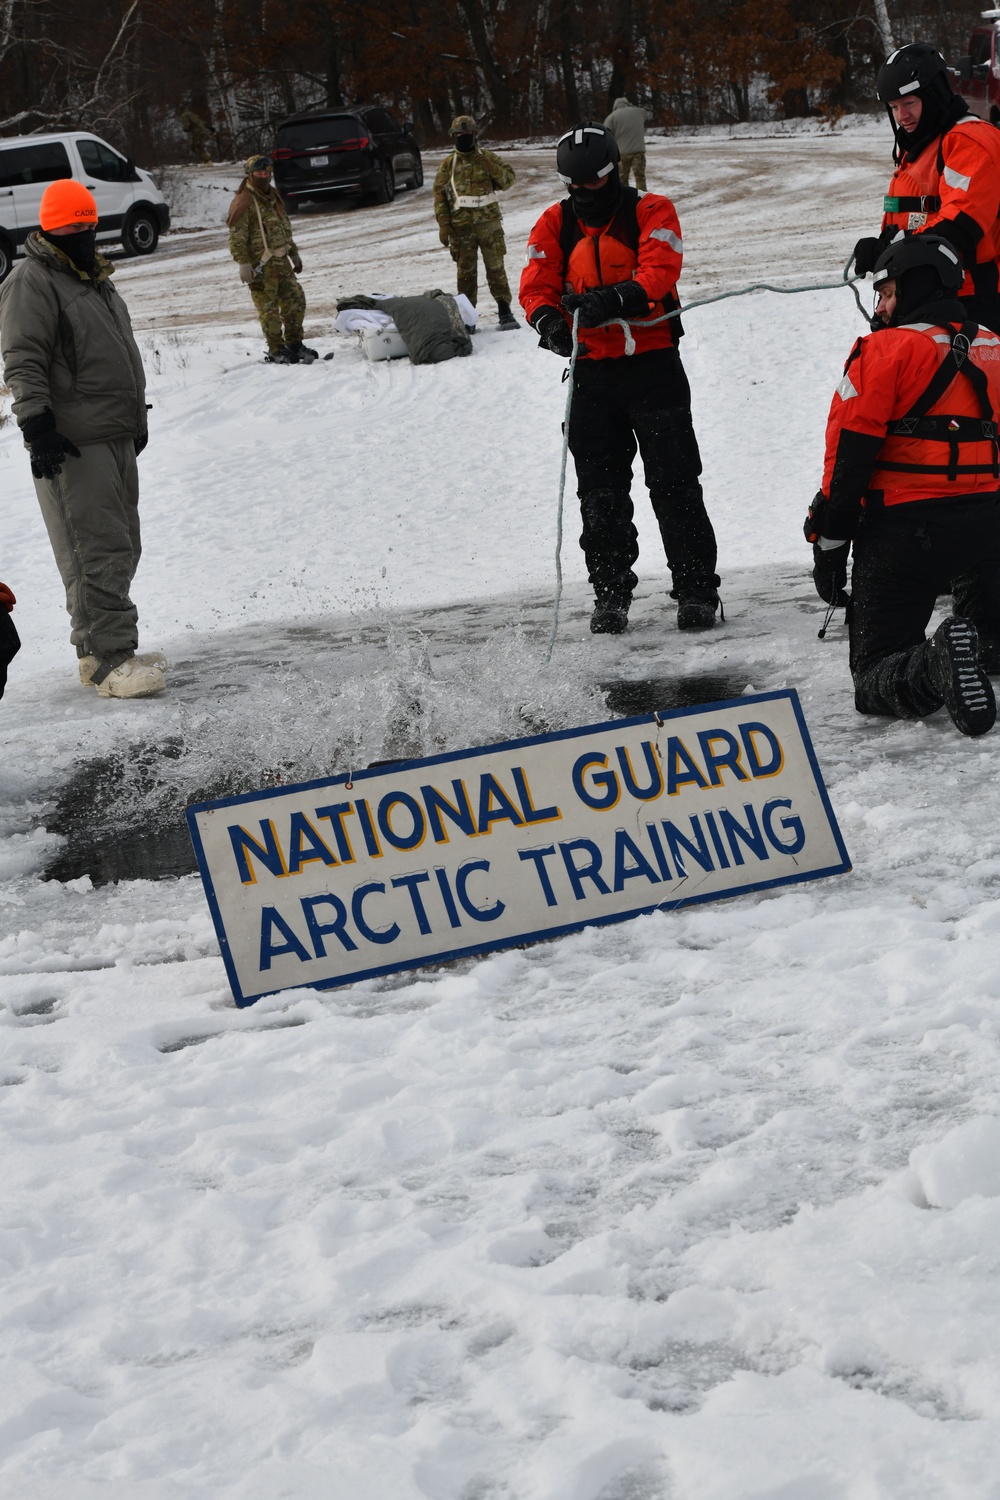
(130, 206)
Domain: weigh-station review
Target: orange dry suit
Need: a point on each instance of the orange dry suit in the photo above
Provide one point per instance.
(915, 417)
(641, 243)
(952, 188)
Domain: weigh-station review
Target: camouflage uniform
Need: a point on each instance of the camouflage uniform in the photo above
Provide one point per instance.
(199, 130)
(474, 174)
(636, 160)
(276, 293)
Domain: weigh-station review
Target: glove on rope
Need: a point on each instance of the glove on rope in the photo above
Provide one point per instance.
(246, 272)
(48, 448)
(866, 253)
(626, 299)
(554, 333)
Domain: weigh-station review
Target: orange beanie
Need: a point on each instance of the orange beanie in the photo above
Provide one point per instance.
(67, 202)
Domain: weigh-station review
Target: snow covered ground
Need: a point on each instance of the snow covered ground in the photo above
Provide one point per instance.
(705, 1206)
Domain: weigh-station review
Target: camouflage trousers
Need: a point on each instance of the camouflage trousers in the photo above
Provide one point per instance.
(280, 303)
(636, 160)
(465, 243)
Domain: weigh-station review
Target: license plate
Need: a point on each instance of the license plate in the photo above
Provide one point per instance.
(319, 161)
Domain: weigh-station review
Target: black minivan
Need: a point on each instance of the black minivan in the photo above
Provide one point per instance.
(362, 151)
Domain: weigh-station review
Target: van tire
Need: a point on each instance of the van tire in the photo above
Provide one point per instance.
(6, 257)
(140, 232)
(386, 189)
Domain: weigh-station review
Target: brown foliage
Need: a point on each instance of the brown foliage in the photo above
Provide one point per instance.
(131, 68)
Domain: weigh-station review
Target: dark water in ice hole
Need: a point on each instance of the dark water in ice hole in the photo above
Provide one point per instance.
(158, 847)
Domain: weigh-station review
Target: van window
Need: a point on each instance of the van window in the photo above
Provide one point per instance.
(42, 163)
(979, 47)
(313, 135)
(103, 163)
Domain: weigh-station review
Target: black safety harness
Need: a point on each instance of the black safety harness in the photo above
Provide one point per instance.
(943, 428)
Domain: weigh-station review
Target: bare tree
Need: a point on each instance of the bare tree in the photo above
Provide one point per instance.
(64, 82)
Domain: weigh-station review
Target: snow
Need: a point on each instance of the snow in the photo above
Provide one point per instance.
(700, 1207)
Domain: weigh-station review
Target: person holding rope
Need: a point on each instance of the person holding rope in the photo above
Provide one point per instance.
(947, 177)
(911, 476)
(261, 243)
(612, 256)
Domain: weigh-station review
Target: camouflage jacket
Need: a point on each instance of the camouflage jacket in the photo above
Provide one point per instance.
(469, 174)
(245, 243)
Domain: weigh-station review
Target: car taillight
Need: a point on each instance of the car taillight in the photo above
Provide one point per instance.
(281, 154)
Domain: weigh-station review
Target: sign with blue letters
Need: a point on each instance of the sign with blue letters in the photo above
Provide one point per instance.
(417, 862)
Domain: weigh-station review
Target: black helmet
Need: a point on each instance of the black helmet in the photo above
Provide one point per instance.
(586, 153)
(917, 71)
(909, 69)
(920, 250)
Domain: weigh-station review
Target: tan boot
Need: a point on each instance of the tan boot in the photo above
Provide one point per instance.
(133, 679)
(88, 664)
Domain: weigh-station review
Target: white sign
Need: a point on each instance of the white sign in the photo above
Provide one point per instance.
(428, 860)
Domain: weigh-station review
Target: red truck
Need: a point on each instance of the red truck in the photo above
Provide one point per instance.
(977, 76)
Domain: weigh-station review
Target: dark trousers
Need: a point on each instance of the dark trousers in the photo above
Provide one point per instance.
(621, 407)
(10, 645)
(904, 557)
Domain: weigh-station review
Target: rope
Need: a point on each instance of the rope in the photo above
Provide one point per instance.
(562, 485)
(744, 291)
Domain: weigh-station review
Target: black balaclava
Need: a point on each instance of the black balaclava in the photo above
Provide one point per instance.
(920, 298)
(941, 110)
(81, 248)
(465, 142)
(596, 206)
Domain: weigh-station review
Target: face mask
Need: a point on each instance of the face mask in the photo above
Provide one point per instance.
(80, 247)
(597, 205)
(465, 142)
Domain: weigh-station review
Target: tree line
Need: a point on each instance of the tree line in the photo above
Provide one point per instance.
(141, 72)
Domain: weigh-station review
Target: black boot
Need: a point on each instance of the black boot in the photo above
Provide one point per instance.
(282, 356)
(697, 604)
(303, 354)
(506, 318)
(610, 616)
(955, 672)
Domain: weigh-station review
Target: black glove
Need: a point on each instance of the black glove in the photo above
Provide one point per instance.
(595, 307)
(626, 299)
(812, 526)
(553, 331)
(866, 253)
(830, 572)
(140, 442)
(48, 448)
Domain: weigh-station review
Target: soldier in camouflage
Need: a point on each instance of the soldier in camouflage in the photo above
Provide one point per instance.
(468, 214)
(261, 243)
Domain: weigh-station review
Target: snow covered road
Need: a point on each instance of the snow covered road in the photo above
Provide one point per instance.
(705, 1206)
